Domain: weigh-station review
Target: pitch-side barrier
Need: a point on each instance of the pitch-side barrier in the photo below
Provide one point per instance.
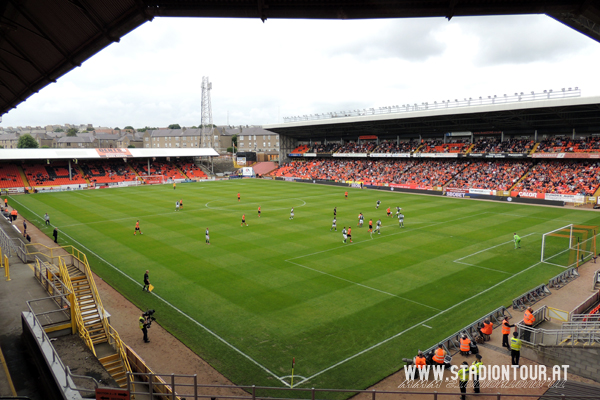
(452, 343)
(531, 297)
(562, 279)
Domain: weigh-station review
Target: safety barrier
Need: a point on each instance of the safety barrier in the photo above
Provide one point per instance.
(562, 279)
(531, 297)
(145, 374)
(452, 343)
(579, 313)
(596, 280)
(187, 386)
(62, 374)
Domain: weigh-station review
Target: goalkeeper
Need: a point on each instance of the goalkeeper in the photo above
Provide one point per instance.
(517, 240)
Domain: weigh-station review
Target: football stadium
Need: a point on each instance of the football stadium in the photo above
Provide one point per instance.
(458, 234)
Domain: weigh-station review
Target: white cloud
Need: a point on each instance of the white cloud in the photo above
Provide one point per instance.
(262, 72)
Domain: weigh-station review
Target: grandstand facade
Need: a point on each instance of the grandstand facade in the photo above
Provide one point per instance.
(544, 149)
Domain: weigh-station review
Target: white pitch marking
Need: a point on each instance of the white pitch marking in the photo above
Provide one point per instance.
(365, 286)
(489, 248)
(416, 325)
(171, 305)
(427, 326)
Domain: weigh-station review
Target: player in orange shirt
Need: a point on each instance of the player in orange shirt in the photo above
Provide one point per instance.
(350, 234)
(258, 211)
(389, 212)
(371, 225)
(238, 196)
(346, 194)
(137, 228)
(244, 220)
(181, 204)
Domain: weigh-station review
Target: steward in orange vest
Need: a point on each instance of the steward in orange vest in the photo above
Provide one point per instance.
(439, 357)
(528, 320)
(465, 345)
(505, 332)
(420, 360)
(487, 329)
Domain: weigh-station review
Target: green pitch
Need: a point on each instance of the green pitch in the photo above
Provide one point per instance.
(261, 294)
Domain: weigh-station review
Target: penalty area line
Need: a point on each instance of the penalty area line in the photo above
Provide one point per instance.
(415, 326)
(172, 306)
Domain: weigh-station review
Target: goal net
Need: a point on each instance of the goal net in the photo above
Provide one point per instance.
(569, 246)
(154, 179)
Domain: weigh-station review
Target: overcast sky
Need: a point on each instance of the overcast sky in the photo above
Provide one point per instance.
(262, 72)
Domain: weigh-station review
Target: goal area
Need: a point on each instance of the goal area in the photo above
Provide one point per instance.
(569, 246)
(154, 179)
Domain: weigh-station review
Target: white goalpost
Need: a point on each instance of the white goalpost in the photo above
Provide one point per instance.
(154, 179)
(569, 246)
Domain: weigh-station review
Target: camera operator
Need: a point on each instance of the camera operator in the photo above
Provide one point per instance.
(144, 322)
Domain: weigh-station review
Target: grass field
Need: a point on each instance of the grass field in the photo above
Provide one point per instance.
(259, 295)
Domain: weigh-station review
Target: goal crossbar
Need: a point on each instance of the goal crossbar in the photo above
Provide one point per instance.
(579, 246)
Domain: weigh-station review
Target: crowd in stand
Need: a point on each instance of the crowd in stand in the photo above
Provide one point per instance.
(325, 148)
(562, 178)
(543, 177)
(389, 146)
(495, 145)
(565, 145)
(494, 175)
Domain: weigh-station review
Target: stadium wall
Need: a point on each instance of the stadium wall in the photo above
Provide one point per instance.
(584, 362)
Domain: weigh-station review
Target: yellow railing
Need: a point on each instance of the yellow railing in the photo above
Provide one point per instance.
(120, 348)
(76, 311)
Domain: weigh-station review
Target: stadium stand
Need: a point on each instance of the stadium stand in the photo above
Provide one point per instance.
(438, 146)
(107, 171)
(495, 145)
(54, 174)
(394, 147)
(324, 148)
(10, 176)
(192, 171)
(565, 145)
(562, 177)
(301, 149)
(494, 175)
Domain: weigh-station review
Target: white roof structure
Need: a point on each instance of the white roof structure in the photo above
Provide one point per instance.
(53, 154)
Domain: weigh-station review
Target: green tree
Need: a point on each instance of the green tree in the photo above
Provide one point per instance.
(174, 126)
(230, 149)
(72, 132)
(117, 129)
(234, 140)
(27, 142)
(59, 130)
(89, 129)
(131, 146)
(129, 127)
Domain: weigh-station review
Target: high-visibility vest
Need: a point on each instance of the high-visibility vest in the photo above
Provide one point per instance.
(505, 327)
(465, 344)
(515, 344)
(142, 322)
(463, 374)
(476, 367)
(487, 328)
(420, 362)
(528, 318)
(440, 356)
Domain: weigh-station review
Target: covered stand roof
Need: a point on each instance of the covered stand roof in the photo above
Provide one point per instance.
(41, 40)
(545, 116)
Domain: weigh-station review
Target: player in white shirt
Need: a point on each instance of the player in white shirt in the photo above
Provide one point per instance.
(361, 220)
(207, 236)
(333, 224)
(292, 213)
(345, 233)
(177, 205)
(401, 220)
(378, 204)
(378, 227)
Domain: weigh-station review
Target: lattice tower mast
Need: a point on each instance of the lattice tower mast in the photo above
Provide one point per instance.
(206, 121)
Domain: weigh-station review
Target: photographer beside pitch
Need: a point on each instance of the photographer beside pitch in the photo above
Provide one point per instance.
(145, 321)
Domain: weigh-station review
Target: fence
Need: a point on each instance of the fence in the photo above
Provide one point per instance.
(562, 279)
(531, 297)
(579, 312)
(9, 246)
(187, 386)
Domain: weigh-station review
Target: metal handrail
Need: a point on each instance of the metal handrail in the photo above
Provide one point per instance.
(83, 332)
(196, 388)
